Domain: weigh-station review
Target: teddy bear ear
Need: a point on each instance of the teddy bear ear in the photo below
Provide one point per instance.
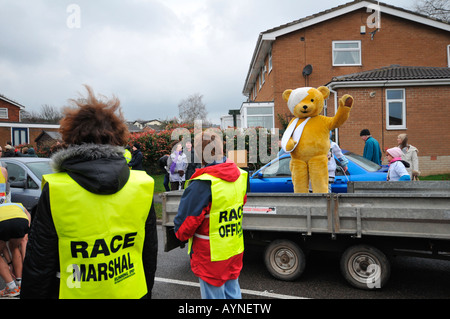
(286, 95)
(325, 91)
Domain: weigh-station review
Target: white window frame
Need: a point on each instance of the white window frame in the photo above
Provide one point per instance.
(4, 113)
(403, 101)
(359, 49)
(270, 60)
(20, 135)
(448, 55)
(245, 116)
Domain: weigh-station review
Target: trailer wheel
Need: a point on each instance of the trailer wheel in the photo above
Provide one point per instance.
(365, 267)
(284, 260)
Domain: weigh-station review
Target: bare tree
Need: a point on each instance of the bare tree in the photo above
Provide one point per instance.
(439, 9)
(47, 114)
(192, 109)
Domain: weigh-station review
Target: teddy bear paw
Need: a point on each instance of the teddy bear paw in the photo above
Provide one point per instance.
(347, 100)
(290, 145)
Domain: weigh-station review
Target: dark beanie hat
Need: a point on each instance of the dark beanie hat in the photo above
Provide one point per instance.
(364, 132)
(137, 145)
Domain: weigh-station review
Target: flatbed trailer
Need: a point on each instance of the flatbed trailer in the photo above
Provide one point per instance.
(376, 221)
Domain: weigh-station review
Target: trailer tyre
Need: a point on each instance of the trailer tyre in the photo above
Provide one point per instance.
(365, 267)
(284, 260)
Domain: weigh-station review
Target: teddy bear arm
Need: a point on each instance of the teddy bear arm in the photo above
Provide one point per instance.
(290, 145)
(341, 116)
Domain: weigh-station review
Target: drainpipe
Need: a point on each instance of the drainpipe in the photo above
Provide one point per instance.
(335, 111)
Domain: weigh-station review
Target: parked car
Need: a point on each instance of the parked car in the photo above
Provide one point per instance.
(275, 177)
(24, 177)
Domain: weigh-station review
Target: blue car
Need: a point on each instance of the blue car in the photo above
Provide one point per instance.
(275, 177)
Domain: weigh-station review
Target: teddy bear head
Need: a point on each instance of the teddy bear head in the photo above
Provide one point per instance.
(306, 102)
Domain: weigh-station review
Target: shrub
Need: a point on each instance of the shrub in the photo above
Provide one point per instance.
(155, 144)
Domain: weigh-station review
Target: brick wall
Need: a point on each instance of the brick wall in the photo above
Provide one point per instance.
(5, 136)
(266, 93)
(427, 117)
(13, 112)
(433, 165)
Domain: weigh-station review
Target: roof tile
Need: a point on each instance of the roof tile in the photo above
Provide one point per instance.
(397, 72)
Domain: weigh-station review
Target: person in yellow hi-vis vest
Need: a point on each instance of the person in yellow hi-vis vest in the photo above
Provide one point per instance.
(14, 225)
(127, 154)
(210, 217)
(94, 232)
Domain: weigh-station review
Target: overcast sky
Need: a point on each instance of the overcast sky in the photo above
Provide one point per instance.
(150, 53)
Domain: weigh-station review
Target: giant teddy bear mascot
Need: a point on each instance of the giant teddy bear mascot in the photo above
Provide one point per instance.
(307, 136)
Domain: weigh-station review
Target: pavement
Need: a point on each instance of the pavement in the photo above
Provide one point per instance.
(157, 198)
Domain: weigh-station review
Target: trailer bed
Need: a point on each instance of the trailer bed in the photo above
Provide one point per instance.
(375, 214)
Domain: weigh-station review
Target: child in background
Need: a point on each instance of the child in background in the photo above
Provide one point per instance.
(397, 167)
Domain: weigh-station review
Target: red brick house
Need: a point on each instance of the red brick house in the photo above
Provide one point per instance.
(11, 128)
(342, 48)
(400, 99)
(9, 110)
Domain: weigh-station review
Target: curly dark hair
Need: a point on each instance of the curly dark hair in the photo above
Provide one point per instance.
(94, 121)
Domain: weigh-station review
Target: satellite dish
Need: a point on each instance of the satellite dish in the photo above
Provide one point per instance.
(307, 70)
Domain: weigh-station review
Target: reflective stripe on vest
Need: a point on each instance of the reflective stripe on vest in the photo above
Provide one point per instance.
(225, 218)
(11, 211)
(100, 237)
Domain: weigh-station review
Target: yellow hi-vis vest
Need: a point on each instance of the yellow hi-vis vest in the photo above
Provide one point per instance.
(2, 188)
(100, 237)
(12, 211)
(127, 155)
(225, 218)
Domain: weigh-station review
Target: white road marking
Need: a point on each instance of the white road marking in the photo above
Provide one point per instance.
(244, 291)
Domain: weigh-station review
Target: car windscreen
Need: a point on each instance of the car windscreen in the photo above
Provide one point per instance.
(278, 168)
(40, 168)
(363, 162)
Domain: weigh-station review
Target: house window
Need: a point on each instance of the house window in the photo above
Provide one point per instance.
(346, 53)
(395, 109)
(3, 113)
(260, 81)
(20, 136)
(260, 117)
(263, 74)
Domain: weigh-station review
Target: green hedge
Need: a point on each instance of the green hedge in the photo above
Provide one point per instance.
(155, 144)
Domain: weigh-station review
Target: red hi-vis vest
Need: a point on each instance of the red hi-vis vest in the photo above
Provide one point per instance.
(100, 237)
(225, 218)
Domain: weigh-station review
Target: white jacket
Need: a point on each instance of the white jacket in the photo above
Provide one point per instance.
(396, 170)
(410, 155)
(181, 165)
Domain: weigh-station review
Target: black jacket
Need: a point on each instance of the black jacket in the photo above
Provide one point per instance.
(101, 169)
(136, 160)
(9, 153)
